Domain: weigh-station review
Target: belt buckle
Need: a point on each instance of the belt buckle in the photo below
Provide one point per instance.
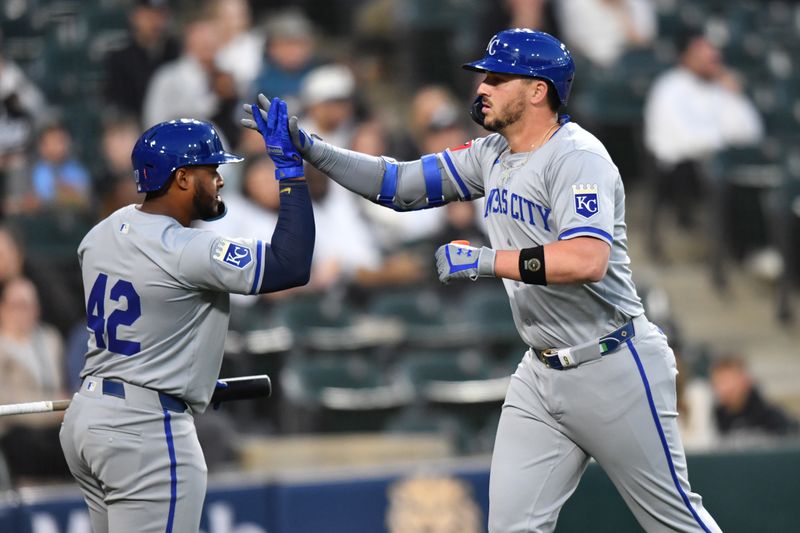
(548, 352)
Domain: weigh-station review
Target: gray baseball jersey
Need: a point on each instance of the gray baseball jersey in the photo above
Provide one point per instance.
(568, 188)
(619, 409)
(145, 274)
(619, 405)
(157, 305)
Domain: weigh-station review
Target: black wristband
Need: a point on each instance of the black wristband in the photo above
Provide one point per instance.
(531, 266)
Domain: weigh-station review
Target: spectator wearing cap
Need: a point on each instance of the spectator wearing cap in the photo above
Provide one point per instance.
(327, 97)
(128, 70)
(289, 56)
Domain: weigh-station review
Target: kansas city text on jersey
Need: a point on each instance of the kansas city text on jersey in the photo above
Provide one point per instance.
(502, 201)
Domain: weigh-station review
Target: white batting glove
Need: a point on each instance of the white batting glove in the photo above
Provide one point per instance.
(458, 260)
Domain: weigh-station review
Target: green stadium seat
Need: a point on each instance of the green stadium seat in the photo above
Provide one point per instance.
(426, 320)
(316, 322)
(460, 384)
(53, 235)
(341, 393)
(487, 310)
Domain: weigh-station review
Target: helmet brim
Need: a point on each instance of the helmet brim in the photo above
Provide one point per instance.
(499, 66)
(224, 157)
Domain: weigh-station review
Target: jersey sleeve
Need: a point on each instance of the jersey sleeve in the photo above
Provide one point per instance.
(464, 164)
(211, 262)
(583, 190)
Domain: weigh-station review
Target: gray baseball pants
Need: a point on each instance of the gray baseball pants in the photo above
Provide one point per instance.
(139, 465)
(620, 410)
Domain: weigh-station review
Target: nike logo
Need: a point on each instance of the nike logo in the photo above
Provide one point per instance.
(287, 190)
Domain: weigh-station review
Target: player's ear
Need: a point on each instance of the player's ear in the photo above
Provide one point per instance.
(183, 178)
(538, 91)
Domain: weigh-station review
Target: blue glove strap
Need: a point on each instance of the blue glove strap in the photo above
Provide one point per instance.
(288, 172)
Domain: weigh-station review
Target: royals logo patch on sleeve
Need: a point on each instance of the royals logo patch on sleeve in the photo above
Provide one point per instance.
(586, 204)
(233, 254)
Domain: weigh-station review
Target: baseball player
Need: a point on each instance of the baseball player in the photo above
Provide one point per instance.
(599, 378)
(157, 301)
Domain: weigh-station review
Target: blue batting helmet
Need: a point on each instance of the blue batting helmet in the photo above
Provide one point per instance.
(168, 146)
(529, 53)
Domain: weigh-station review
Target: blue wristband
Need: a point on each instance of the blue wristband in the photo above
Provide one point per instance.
(288, 172)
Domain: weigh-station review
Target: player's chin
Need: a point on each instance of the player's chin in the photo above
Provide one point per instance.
(491, 124)
(212, 210)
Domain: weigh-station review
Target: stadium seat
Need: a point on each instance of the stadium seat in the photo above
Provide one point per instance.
(488, 313)
(340, 393)
(459, 383)
(787, 232)
(316, 322)
(53, 235)
(422, 418)
(751, 175)
(426, 320)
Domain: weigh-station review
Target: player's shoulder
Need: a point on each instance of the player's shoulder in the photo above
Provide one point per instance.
(103, 226)
(160, 231)
(576, 141)
(490, 145)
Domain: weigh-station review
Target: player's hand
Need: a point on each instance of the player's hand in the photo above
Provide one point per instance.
(273, 125)
(458, 260)
(300, 139)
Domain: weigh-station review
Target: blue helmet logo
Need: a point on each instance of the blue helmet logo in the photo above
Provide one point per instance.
(529, 53)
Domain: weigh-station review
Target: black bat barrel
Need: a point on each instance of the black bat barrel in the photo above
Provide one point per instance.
(243, 388)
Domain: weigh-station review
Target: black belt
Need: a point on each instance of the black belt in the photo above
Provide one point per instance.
(168, 402)
(608, 343)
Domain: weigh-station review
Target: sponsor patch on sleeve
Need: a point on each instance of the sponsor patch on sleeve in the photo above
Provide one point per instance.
(233, 254)
(586, 204)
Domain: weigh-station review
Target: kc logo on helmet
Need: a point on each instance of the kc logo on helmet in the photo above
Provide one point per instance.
(586, 204)
(233, 254)
(494, 42)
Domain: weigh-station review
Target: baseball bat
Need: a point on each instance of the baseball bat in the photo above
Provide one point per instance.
(241, 388)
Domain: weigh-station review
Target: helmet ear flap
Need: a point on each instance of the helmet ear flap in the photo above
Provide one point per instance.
(476, 111)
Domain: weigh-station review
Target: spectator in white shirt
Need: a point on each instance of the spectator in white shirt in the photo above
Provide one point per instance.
(693, 111)
(602, 30)
(192, 86)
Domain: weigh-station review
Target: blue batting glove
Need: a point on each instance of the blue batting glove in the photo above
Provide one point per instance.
(275, 131)
(458, 260)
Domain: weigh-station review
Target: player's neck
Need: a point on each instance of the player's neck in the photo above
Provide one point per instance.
(161, 206)
(532, 133)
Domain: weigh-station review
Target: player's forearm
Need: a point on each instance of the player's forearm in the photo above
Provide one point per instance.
(401, 186)
(288, 257)
(574, 261)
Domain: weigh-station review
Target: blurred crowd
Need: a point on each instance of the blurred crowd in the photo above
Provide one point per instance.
(698, 142)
